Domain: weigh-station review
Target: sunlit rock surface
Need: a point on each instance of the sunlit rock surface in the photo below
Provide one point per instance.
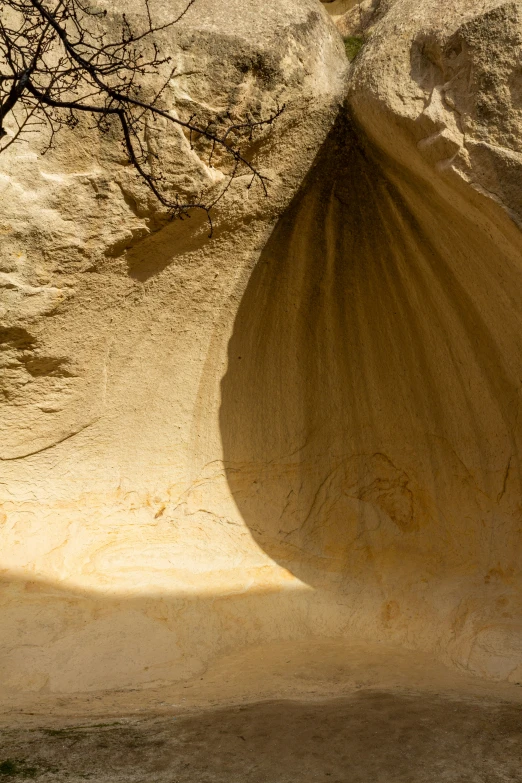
(306, 427)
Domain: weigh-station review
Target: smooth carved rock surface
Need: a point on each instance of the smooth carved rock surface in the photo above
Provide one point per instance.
(305, 427)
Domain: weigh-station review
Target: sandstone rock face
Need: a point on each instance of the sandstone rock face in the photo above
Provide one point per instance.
(306, 426)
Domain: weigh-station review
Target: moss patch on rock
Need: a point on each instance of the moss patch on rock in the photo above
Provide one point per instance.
(353, 45)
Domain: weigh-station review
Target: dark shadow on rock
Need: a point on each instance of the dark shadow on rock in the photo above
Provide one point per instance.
(369, 408)
(148, 256)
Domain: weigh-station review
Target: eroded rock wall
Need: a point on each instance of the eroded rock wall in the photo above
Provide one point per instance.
(306, 426)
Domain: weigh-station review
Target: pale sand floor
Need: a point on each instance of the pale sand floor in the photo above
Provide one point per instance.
(372, 737)
(343, 716)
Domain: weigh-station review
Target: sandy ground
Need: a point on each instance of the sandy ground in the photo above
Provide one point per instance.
(282, 713)
(373, 737)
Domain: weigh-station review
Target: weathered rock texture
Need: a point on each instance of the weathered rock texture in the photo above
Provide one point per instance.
(307, 426)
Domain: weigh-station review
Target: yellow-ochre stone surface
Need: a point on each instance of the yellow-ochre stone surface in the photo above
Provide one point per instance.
(304, 428)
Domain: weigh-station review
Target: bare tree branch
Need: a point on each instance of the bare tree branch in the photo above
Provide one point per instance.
(58, 60)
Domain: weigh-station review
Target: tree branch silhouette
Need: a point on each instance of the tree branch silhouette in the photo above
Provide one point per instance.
(59, 60)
